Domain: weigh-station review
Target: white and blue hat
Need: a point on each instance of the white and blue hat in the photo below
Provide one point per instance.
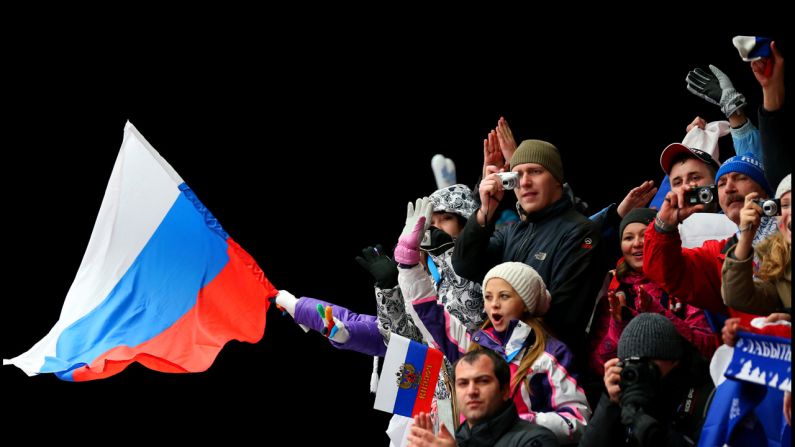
(748, 165)
(752, 48)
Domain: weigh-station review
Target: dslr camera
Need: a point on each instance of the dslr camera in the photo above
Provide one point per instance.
(703, 195)
(640, 381)
(509, 179)
(770, 207)
(636, 371)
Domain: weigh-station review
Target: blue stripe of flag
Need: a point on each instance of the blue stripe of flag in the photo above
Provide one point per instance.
(162, 284)
(761, 48)
(404, 401)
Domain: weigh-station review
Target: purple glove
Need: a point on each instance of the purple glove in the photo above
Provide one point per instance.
(407, 251)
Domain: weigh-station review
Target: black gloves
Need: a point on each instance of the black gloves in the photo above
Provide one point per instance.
(383, 269)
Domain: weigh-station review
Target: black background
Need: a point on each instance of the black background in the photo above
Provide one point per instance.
(306, 153)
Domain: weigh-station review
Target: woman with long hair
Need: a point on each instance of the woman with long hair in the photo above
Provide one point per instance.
(514, 298)
(771, 289)
(630, 293)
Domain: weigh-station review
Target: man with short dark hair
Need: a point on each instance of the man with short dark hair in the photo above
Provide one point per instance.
(483, 393)
(686, 166)
(689, 166)
(694, 274)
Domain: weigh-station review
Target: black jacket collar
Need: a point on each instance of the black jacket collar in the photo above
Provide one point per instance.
(490, 431)
(555, 208)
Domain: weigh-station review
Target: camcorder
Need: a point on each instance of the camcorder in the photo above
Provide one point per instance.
(640, 380)
(703, 195)
(509, 179)
(770, 207)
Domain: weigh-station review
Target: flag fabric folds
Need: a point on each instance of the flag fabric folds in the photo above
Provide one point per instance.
(408, 378)
(762, 359)
(160, 283)
(746, 408)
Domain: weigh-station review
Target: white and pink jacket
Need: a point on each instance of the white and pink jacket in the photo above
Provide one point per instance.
(553, 398)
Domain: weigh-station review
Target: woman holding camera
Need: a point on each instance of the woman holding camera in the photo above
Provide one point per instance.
(773, 291)
(631, 293)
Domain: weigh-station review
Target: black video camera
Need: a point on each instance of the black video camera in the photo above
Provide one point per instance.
(770, 207)
(640, 380)
(703, 195)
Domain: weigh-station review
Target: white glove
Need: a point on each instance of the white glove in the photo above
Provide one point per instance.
(338, 331)
(443, 170)
(287, 301)
(341, 335)
(424, 207)
(418, 219)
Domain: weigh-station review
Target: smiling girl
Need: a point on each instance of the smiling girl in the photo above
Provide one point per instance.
(631, 292)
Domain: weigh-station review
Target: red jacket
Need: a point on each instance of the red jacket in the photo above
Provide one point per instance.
(691, 274)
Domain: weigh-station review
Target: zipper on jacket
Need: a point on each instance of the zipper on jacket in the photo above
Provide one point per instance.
(525, 242)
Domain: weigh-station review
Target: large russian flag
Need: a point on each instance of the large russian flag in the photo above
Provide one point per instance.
(408, 378)
(161, 283)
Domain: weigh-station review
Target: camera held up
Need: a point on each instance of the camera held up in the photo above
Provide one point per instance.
(703, 195)
(509, 179)
(640, 380)
(770, 207)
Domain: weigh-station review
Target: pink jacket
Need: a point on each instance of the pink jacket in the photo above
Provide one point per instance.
(690, 321)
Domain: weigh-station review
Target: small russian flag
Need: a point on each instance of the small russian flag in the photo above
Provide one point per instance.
(752, 48)
(408, 378)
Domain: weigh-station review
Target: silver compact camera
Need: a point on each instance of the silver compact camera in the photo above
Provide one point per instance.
(770, 207)
(510, 180)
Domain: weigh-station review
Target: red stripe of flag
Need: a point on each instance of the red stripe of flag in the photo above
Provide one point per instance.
(430, 375)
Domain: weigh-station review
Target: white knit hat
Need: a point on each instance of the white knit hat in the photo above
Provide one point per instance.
(785, 186)
(527, 283)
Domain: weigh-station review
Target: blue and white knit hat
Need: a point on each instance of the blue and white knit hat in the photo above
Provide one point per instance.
(752, 48)
(748, 165)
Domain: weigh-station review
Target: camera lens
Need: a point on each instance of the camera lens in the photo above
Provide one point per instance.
(705, 195)
(509, 180)
(629, 375)
(770, 208)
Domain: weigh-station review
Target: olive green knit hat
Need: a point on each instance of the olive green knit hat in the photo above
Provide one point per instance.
(540, 152)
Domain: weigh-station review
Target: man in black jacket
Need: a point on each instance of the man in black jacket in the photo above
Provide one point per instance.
(656, 394)
(483, 393)
(562, 245)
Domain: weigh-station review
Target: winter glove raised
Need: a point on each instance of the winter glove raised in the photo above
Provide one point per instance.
(383, 269)
(717, 88)
(407, 251)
